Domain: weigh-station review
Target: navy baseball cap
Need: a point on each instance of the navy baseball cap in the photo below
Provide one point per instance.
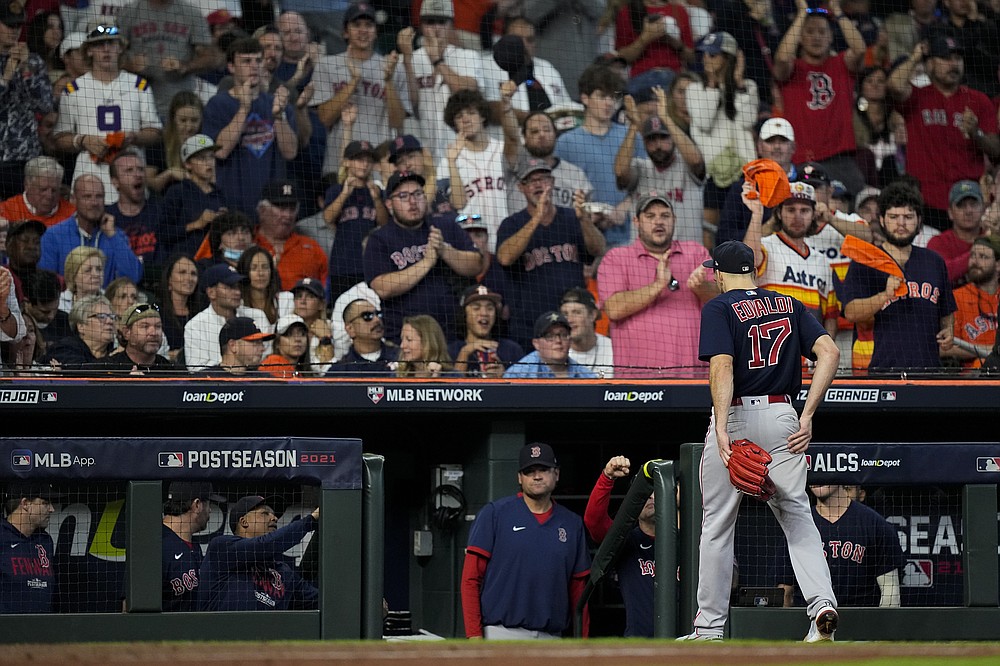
(400, 177)
(733, 256)
(530, 165)
(221, 274)
(360, 10)
(357, 149)
(243, 506)
(547, 321)
(312, 285)
(813, 173)
(242, 328)
(407, 143)
(31, 490)
(536, 453)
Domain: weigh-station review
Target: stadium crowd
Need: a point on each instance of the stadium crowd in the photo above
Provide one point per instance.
(475, 188)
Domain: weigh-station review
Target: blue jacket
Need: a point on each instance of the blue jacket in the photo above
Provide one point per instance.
(59, 240)
(532, 366)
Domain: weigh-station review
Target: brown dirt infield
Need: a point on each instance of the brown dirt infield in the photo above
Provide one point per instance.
(577, 653)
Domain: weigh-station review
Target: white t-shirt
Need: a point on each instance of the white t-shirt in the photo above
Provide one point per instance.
(483, 180)
(91, 107)
(332, 74)
(433, 94)
(600, 359)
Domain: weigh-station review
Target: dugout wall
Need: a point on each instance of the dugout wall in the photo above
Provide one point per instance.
(119, 546)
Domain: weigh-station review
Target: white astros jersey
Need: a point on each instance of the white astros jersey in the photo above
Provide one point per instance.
(807, 278)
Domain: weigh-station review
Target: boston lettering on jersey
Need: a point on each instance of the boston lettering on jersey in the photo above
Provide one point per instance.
(365, 87)
(845, 550)
(536, 256)
(761, 307)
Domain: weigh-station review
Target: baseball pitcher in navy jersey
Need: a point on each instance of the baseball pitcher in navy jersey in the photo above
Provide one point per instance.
(527, 561)
(185, 513)
(635, 567)
(27, 575)
(754, 340)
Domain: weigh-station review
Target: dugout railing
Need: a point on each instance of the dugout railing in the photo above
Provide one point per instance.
(968, 465)
(350, 539)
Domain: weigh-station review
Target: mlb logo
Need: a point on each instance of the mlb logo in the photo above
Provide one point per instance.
(988, 464)
(888, 395)
(20, 459)
(172, 459)
(375, 394)
(809, 462)
(50, 396)
(918, 573)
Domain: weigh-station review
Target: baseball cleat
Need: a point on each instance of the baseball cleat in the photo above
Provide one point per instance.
(697, 635)
(824, 626)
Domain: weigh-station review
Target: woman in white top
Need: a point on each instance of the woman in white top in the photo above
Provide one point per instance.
(723, 107)
(263, 300)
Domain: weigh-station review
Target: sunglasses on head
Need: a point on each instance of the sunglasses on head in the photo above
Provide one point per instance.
(139, 309)
(103, 31)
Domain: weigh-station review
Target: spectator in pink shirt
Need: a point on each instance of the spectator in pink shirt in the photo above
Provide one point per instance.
(652, 291)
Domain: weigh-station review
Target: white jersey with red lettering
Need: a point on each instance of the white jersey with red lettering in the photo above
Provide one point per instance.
(807, 277)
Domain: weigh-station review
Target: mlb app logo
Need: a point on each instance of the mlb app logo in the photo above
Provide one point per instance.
(172, 459)
(20, 459)
(988, 464)
(375, 394)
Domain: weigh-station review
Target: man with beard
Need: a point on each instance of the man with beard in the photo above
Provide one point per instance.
(91, 226)
(950, 126)
(636, 567)
(539, 133)
(786, 263)
(674, 169)
(482, 353)
(652, 291)
(977, 300)
(143, 332)
(368, 353)
(527, 561)
(543, 248)
(27, 574)
(105, 110)
(412, 261)
(137, 216)
(185, 513)
(912, 330)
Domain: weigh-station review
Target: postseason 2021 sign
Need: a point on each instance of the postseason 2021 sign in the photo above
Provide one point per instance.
(329, 463)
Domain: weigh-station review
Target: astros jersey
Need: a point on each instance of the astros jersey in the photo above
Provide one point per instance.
(91, 107)
(827, 243)
(806, 277)
(766, 333)
(976, 318)
(859, 547)
(905, 327)
(530, 564)
(27, 576)
(181, 570)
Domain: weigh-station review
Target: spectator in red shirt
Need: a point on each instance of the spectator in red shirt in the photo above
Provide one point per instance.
(965, 210)
(652, 34)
